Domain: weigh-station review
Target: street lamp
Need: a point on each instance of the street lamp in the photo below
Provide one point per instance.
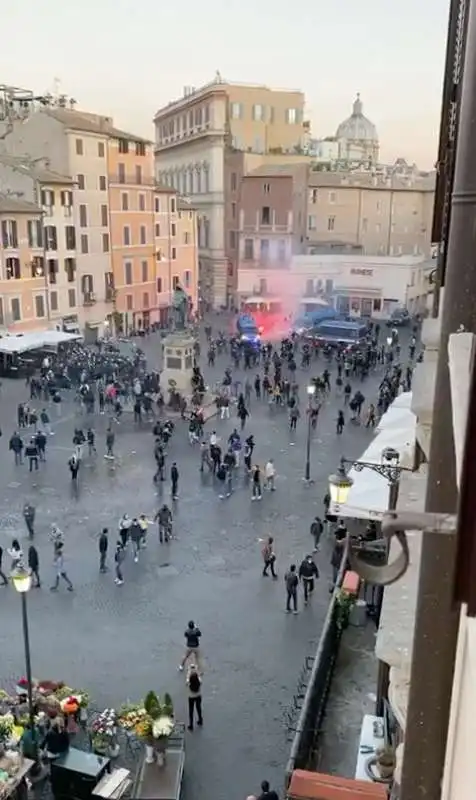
(311, 391)
(21, 579)
(340, 485)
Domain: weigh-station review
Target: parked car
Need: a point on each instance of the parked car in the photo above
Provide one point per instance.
(399, 318)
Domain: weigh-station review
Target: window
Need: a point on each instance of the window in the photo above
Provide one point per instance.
(129, 302)
(159, 285)
(121, 173)
(125, 201)
(15, 307)
(258, 112)
(175, 281)
(54, 301)
(206, 232)
(128, 273)
(206, 114)
(87, 285)
(186, 237)
(158, 255)
(140, 149)
(157, 204)
(174, 253)
(70, 269)
(291, 116)
(332, 197)
(173, 229)
(233, 181)
(233, 210)
(51, 241)
(271, 114)
(281, 250)
(331, 223)
(126, 235)
(142, 202)
(264, 249)
(266, 188)
(84, 243)
(249, 250)
(138, 174)
(39, 306)
(266, 215)
(377, 305)
(66, 198)
(145, 271)
(104, 216)
(105, 243)
(81, 182)
(101, 149)
(102, 183)
(35, 233)
(157, 229)
(365, 223)
(70, 237)
(72, 298)
(123, 146)
(2, 316)
(13, 269)
(143, 234)
(38, 267)
(83, 216)
(79, 147)
(9, 233)
(378, 227)
(311, 222)
(187, 278)
(51, 269)
(145, 300)
(232, 240)
(109, 286)
(173, 205)
(314, 196)
(236, 110)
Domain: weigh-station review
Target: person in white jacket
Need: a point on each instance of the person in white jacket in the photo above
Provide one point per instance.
(270, 473)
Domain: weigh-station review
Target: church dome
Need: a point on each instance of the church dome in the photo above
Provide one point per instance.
(357, 127)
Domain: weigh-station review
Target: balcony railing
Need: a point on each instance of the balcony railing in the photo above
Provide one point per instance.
(89, 298)
(132, 180)
(268, 228)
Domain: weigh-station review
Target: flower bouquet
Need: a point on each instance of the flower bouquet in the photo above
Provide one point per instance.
(103, 734)
(130, 715)
(161, 712)
(7, 724)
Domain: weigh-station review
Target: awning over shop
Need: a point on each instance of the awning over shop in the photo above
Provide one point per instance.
(369, 494)
(35, 340)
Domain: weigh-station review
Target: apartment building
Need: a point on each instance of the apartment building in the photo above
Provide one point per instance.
(176, 245)
(53, 192)
(23, 286)
(130, 216)
(369, 214)
(194, 135)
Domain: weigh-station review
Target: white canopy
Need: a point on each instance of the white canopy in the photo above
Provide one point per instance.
(35, 340)
(368, 496)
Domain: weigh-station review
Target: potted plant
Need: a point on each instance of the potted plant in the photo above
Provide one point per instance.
(83, 700)
(7, 724)
(103, 734)
(385, 762)
(161, 711)
(344, 603)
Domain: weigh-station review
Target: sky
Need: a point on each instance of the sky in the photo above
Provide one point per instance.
(126, 59)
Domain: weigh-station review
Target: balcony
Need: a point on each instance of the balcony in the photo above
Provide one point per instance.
(110, 295)
(248, 227)
(89, 298)
(132, 180)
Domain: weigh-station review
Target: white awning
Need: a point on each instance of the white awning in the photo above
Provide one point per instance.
(369, 494)
(35, 341)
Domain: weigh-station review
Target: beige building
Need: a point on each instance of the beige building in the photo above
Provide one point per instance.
(193, 136)
(52, 192)
(372, 215)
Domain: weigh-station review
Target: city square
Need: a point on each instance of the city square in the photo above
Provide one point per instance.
(119, 642)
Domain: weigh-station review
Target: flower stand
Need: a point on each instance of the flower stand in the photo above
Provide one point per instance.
(149, 754)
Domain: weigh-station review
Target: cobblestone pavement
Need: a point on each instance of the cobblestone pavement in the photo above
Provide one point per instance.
(118, 642)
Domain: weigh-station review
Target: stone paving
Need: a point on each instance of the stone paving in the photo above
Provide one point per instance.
(118, 642)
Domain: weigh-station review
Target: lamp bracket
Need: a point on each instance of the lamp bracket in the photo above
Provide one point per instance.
(395, 524)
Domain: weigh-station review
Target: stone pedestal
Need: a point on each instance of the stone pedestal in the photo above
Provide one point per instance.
(177, 363)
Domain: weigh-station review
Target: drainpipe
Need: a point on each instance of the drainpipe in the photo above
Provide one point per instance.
(43, 239)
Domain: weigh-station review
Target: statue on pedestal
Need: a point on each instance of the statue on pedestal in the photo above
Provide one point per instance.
(180, 308)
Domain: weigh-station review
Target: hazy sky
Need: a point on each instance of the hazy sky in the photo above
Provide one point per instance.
(126, 58)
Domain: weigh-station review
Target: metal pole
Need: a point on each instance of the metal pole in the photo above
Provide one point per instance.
(26, 640)
(436, 627)
(307, 473)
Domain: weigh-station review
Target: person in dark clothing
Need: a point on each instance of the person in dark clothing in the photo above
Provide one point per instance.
(56, 741)
(174, 477)
(291, 580)
(29, 517)
(316, 532)
(267, 793)
(336, 558)
(2, 574)
(34, 565)
(194, 684)
(16, 446)
(103, 545)
(31, 452)
(40, 440)
(73, 465)
(192, 640)
(269, 557)
(308, 572)
(256, 483)
(340, 422)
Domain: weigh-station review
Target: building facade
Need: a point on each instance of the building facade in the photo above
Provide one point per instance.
(376, 215)
(23, 287)
(195, 133)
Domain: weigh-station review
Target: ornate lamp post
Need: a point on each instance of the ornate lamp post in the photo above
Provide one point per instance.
(21, 579)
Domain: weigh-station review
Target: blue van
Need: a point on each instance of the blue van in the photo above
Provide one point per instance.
(247, 329)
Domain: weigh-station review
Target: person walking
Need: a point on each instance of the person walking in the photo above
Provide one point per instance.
(270, 474)
(45, 421)
(192, 641)
(256, 485)
(119, 560)
(308, 572)
(340, 423)
(124, 529)
(29, 512)
(60, 569)
(3, 577)
(269, 558)
(73, 465)
(110, 437)
(267, 793)
(174, 477)
(34, 565)
(291, 580)
(31, 452)
(136, 538)
(194, 684)
(16, 446)
(316, 532)
(16, 554)
(103, 545)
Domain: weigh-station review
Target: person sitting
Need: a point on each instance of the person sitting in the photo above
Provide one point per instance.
(56, 740)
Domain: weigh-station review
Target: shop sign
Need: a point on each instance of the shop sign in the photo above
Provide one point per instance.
(361, 271)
